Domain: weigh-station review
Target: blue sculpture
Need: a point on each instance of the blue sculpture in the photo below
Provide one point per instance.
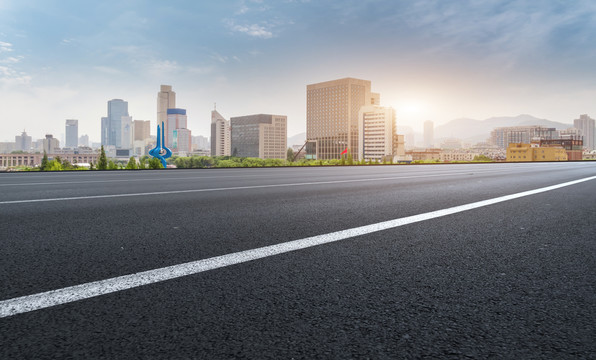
(161, 152)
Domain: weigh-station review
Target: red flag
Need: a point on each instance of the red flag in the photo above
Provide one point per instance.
(344, 152)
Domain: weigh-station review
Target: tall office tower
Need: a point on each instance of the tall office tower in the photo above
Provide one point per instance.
(586, 125)
(178, 135)
(111, 126)
(264, 136)
(142, 129)
(105, 131)
(220, 135)
(22, 142)
(166, 99)
(378, 137)
(126, 132)
(72, 134)
(84, 140)
(429, 134)
(50, 144)
(332, 116)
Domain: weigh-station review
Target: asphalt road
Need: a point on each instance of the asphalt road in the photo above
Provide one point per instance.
(513, 279)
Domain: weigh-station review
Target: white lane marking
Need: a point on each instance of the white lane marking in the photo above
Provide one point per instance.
(131, 180)
(478, 171)
(66, 295)
(230, 188)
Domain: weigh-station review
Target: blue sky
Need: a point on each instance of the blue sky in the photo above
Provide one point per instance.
(431, 60)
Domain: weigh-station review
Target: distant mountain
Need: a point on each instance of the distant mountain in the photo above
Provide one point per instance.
(297, 139)
(472, 130)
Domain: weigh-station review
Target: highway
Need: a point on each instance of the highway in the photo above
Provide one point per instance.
(433, 261)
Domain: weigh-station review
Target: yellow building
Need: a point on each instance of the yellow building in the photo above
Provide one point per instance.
(531, 152)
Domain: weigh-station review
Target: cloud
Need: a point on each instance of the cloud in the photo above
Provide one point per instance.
(11, 60)
(254, 30)
(9, 76)
(5, 47)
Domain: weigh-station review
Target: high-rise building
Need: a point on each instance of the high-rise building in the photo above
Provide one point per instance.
(378, 138)
(588, 130)
(22, 142)
(166, 99)
(332, 116)
(220, 135)
(50, 144)
(429, 134)
(142, 129)
(178, 135)
(263, 136)
(72, 134)
(111, 126)
(84, 140)
(126, 132)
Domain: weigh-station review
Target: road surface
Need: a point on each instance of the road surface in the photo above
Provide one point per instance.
(437, 261)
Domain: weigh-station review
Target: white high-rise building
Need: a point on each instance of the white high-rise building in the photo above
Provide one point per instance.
(127, 133)
(50, 144)
(588, 130)
(22, 142)
(378, 138)
(71, 134)
(220, 135)
(166, 99)
(84, 140)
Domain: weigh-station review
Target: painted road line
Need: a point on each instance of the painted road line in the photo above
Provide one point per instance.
(232, 188)
(39, 301)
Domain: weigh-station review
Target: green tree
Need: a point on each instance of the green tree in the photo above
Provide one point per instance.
(55, 165)
(102, 162)
(112, 165)
(132, 163)
(66, 165)
(91, 166)
(350, 159)
(290, 155)
(44, 162)
(154, 163)
(482, 158)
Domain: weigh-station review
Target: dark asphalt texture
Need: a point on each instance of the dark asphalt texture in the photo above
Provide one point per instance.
(510, 280)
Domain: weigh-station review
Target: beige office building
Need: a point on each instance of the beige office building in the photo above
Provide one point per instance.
(166, 99)
(264, 136)
(379, 141)
(142, 129)
(220, 135)
(332, 110)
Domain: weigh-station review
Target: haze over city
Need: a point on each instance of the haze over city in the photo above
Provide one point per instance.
(431, 60)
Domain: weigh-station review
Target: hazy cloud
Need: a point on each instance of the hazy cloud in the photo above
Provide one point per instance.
(254, 30)
(5, 47)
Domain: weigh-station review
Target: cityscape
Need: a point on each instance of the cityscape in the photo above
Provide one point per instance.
(297, 179)
(344, 117)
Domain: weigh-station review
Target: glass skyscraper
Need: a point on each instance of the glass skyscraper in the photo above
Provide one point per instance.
(111, 126)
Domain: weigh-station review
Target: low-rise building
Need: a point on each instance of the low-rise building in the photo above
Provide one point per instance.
(449, 156)
(520, 152)
(32, 160)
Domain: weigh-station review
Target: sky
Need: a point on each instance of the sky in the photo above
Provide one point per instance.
(431, 59)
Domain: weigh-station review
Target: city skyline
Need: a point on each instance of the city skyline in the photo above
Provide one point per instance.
(429, 60)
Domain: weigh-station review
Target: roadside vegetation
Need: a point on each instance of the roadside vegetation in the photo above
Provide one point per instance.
(207, 162)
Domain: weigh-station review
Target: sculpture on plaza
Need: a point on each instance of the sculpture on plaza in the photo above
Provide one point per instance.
(161, 151)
